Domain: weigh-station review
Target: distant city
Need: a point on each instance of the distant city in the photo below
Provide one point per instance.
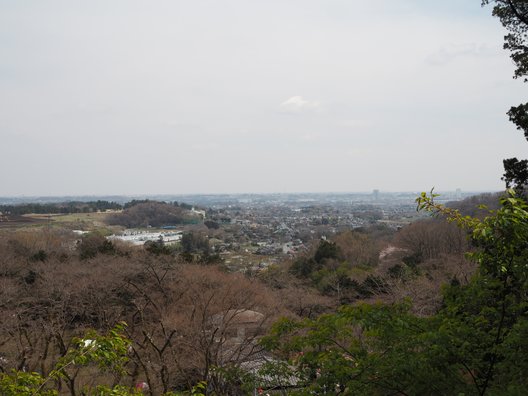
(252, 231)
(245, 198)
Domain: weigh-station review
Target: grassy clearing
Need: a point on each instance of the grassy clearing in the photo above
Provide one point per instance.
(82, 221)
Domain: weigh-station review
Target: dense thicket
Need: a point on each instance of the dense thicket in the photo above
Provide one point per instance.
(61, 207)
(154, 214)
(513, 14)
(55, 285)
(474, 344)
(170, 309)
(79, 207)
(477, 205)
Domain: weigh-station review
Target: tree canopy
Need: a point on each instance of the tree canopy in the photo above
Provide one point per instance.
(474, 345)
(513, 15)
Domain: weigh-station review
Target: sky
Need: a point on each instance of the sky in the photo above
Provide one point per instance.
(253, 96)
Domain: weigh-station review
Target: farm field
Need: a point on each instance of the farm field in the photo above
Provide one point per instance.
(83, 221)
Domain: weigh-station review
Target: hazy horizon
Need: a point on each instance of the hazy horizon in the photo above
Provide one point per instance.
(382, 192)
(203, 97)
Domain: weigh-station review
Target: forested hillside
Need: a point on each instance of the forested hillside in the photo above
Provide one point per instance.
(187, 320)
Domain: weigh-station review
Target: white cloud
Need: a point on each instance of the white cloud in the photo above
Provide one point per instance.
(297, 104)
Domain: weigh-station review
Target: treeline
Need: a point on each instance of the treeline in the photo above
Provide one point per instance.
(79, 207)
(62, 207)
(478, 205)
(135, 202)
(154, 214)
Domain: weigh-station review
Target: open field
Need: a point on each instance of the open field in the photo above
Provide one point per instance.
(84, 221)
(97, 218)
(20, 221)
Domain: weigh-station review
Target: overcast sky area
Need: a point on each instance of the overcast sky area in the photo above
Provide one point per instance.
(173, 97)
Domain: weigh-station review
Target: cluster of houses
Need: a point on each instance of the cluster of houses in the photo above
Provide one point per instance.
(139, 237)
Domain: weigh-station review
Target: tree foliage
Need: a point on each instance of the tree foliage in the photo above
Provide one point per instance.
(475, 344)
(60, 207)
(151, 213)
(513, 15)
(107, 353)
(331, 266)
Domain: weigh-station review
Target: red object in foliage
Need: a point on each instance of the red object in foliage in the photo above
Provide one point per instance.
(260, 391)
(142, 386)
